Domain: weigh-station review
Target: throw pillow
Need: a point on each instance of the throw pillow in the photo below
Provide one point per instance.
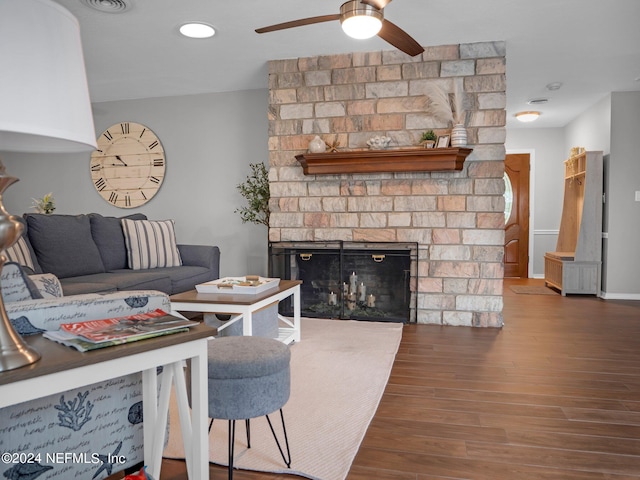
(107, 233)
(150, 244)
(64, 245)
(19, 253)
(16, 286)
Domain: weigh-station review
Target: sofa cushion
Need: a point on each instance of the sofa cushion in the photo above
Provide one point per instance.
(150, 244)
(63, 244)
(107, 233)
(22, 252)
(16, 286)
(121, 280)
(184, 278)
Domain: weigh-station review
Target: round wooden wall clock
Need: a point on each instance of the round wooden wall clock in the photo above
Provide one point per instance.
(128, 167)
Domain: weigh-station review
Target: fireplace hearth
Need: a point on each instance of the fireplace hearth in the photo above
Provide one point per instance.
(349, 280)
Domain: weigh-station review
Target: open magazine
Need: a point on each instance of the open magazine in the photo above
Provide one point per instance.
(94, 334)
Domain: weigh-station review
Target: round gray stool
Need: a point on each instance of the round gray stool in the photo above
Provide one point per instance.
(248, 377)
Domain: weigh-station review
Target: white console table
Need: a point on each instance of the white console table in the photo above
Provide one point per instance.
(62, 368)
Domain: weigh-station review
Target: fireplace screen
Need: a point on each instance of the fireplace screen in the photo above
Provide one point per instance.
(349, 280)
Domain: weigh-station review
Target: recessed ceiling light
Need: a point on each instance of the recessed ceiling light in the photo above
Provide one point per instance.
(554, 85)
(197, 30)
(527, 116)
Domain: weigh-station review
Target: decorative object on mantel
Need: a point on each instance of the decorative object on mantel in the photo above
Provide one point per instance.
(45, 109)
(384, 161)
(45, 204)
(428, 139)
(255, 190)
(378, 142)
(317, 145)
(440, 107)
(458, 132)
(333, 146)
(443, 141)
(458, 135)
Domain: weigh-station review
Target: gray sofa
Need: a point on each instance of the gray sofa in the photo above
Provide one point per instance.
(88, 254)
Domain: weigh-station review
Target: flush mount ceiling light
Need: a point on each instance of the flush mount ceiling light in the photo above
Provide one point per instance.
(197, 30)
(107, 6)
(527, 116)
(359, 20)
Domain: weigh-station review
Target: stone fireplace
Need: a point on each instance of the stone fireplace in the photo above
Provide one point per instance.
(455, 217)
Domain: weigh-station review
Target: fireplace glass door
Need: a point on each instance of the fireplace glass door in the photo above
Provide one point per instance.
(348, 280)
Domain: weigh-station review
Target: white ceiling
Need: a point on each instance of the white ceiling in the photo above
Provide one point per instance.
(591, 46)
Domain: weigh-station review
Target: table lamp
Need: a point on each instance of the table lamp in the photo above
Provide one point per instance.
(44, 108)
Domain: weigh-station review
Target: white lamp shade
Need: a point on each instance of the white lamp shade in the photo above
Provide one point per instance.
(44, 98)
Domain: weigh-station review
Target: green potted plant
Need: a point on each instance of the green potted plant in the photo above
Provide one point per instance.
(255, 191)
(428, 139)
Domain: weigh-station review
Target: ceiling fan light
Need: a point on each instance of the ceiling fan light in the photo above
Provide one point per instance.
(527, 116)
(359, 20)
(361, 27)
(197, 30)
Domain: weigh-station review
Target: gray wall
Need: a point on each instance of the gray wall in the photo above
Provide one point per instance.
(623, 212)
(209, 141)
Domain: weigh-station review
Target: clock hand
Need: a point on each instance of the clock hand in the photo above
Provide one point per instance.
(118, 158)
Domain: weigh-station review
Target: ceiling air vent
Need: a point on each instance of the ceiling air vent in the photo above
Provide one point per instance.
(108, 6)
(538, 101)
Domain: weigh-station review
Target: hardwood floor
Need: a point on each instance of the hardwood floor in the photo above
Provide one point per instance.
(553, 395)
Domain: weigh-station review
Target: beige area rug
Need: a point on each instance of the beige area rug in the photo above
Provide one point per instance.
(338, 374)
(533, 290)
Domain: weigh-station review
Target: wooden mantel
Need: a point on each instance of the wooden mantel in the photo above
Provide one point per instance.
(384, 161)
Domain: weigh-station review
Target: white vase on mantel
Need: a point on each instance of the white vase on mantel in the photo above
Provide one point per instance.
(458, 135)
(317, 145)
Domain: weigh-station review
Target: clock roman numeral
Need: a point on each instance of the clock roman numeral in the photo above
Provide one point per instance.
(158, 162)
(142, 133)
(127, 200)
(108, 135)
(154, 179)
(100, 184)
(125, 128)
(153, 145)
(96, 167)
(143, 195)
(113, 198)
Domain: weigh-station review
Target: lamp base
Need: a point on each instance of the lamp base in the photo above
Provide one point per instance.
(16, 356)
(14, 351)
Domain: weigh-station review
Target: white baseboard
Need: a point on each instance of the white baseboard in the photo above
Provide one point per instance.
(620, 296)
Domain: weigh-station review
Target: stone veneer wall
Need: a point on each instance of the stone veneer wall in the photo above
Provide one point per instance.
(455, 217)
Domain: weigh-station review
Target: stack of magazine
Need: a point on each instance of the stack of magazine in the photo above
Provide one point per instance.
(94, 334)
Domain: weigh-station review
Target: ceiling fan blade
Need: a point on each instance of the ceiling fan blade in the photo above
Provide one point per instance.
(298, 23)
(379, 4)
(399, 38)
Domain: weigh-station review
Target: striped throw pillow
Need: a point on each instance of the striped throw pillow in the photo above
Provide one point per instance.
(150, 244)
(19, 253)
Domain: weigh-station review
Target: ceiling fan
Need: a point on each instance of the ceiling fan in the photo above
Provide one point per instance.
(361, 19)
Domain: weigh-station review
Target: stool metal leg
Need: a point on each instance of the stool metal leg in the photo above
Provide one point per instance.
(286, 440)
(232, 439)
(247, 425)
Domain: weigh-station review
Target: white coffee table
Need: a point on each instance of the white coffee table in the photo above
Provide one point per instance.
(243, 306)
